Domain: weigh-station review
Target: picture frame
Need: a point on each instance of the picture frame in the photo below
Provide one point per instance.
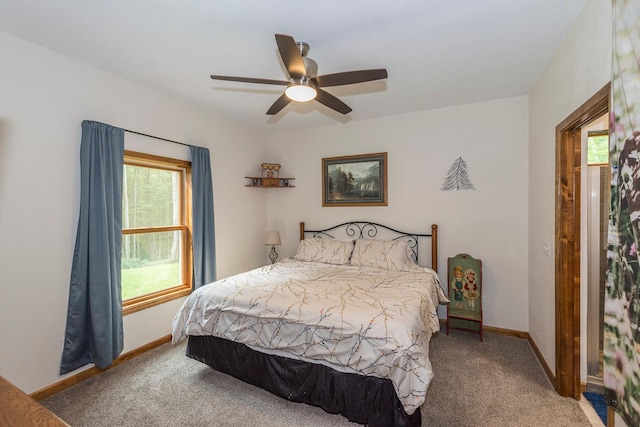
(359, 180)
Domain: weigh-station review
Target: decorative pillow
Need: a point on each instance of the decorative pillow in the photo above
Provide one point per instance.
(387, 254)
(329, 251)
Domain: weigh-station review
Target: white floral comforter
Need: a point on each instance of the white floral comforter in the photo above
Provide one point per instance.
(374, 321)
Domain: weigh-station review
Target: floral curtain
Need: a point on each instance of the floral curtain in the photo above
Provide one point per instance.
(622, 300)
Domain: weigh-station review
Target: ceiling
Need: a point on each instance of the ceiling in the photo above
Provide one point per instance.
(437, 53)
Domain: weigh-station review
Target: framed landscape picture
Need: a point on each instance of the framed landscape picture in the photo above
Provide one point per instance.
(355, 180)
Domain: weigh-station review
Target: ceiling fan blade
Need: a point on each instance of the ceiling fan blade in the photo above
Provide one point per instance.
(280, 103)
(351, 77)
(332, 102)
(251, 80)
(291, 56)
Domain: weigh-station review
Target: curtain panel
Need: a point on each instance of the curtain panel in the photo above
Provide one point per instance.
(94, 315)
(204, 257)
(622, 295)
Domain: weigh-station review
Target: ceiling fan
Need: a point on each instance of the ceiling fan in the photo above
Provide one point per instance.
(304, 84)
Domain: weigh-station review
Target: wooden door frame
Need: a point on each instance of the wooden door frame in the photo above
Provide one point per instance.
(567, 241)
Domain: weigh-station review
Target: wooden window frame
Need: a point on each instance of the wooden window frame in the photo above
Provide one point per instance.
(132, 158)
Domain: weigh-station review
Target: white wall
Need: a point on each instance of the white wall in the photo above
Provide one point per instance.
(579, 69)
(43, 99)
(489, 223)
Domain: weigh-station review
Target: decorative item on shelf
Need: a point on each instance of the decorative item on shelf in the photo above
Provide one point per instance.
(270, 170)
(273, 239)
(270, 182)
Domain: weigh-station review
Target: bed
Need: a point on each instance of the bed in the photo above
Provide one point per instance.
(344, 325)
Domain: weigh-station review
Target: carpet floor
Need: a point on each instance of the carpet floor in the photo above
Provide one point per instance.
(495, 383)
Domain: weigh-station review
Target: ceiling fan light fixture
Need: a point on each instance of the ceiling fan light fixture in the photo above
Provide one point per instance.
(300, 92)
(304, 83)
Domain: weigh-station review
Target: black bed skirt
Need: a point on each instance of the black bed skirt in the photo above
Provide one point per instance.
(361, 399)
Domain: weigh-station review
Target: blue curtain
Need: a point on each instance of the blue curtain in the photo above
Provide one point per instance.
(204, 248)
(94, 317)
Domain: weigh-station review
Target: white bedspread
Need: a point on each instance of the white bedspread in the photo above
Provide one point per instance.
(376, 322)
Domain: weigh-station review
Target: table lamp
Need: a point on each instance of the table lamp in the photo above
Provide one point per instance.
(273, 239)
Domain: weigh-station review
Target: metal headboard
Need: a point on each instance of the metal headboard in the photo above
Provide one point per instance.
(369, 230)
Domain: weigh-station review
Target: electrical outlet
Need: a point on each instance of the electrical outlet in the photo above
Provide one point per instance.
(547, 249)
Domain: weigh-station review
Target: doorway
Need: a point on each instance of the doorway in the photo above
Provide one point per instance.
(595, 224)
(567, 240)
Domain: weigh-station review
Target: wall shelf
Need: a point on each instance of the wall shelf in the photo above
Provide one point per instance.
(264, 182)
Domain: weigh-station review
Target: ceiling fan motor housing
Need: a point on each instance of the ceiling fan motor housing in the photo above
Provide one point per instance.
(303, 47)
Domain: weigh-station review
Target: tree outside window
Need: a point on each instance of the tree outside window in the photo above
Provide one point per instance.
(598, 148)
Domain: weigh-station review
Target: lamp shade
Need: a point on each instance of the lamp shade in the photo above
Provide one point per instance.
(273, 238)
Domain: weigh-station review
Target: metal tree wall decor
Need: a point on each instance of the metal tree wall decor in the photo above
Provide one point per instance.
(457, 177)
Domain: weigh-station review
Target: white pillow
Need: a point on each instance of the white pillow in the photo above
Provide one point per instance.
(329, 251)
(387, 254)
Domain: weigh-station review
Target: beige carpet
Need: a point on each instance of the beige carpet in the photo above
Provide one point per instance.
(495, 383)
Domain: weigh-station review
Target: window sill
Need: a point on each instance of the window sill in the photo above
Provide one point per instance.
(141, 303)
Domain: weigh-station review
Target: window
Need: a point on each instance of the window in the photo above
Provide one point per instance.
(598, 147)
(156, 237)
